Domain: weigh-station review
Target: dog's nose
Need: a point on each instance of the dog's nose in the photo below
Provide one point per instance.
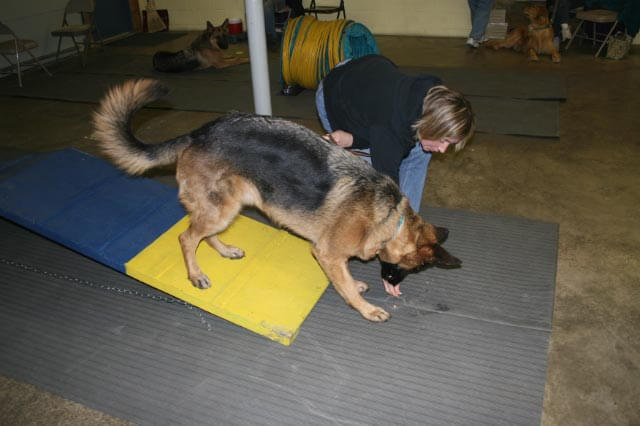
(441, 234)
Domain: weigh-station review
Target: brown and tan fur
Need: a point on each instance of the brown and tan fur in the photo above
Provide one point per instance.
(300, 181)
(206, 51)
(534, 39)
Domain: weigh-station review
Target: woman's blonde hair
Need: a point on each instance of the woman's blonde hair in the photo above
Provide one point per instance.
(445, 114)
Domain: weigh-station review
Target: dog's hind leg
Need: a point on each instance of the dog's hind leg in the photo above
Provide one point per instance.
(189, 241)
(338, 273)
(206, 223)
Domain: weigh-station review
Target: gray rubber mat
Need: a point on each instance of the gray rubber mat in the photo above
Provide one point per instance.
(466, 346)
(494, 115)
(499, 83)
(523, 117)
(142, 66)
(471, 82)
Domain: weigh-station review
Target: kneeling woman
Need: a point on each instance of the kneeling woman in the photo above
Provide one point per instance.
(394, 119)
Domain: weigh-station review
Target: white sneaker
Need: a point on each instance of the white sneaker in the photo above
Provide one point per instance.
(566, 31)
(472, 43)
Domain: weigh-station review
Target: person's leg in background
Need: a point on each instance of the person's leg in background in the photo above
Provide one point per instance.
(561, 28)
(472, 12)
(480, 13)
(270, 21)
(562, 18)
(413, 175)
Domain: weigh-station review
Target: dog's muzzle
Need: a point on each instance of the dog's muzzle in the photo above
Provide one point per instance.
(392, 273)
(223, 42)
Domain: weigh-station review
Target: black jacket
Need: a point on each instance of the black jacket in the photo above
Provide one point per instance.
(371, 99)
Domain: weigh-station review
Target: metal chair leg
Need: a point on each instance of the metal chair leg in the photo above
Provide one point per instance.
(58, 51)
(19, 72)
(85, 51)
(100, 37)
(13, 67)
(613, 27)
(38, 62)
(575, 33)
(75, 43)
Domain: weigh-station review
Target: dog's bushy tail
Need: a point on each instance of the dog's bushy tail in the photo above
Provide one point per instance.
(112, 123)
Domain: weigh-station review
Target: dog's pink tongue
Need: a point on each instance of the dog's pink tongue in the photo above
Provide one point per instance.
(391, 289)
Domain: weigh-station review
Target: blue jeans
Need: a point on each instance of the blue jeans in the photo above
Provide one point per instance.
(413, 169)
(480, 12)
(270, 7)
(320, 108)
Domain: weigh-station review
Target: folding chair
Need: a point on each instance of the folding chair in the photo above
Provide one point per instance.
(15, 46)
(315, 9)
(597, 16)
(85, 9)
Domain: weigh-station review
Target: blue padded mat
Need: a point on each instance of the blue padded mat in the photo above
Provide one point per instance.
(87, 205)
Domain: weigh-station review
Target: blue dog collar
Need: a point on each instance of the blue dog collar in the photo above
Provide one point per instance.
(400, 223)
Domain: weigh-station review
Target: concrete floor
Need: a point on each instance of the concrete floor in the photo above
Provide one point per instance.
(588, 181)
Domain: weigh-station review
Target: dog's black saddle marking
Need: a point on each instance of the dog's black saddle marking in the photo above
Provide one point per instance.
(289, 164)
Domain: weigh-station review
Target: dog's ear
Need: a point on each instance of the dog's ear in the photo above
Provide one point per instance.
(443, 259)
(225, 24)
(441, 234)
(210, 26)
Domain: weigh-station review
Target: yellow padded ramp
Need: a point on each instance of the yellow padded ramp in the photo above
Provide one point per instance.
(270, 291)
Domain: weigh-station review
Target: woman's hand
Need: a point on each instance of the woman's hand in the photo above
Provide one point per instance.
(340, 138)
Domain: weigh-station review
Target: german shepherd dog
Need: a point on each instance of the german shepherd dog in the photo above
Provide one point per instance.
(205, 51)
(299, 180)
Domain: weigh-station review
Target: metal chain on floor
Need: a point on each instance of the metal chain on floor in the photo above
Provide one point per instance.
(122, 291)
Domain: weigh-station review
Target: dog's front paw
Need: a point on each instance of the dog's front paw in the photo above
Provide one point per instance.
(376, 314)
(361, 287)
(201, 281)
(233, 252)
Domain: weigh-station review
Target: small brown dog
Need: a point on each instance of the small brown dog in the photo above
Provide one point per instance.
(205, 51)
(318, 190)
(534, 39)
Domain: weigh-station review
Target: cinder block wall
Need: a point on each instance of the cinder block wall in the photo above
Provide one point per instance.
(404, 17)
(437, 18)
(193, 14)
(35, 19)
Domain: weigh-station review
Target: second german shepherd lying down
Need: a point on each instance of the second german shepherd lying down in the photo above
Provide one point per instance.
(204, 52)
(316, 189)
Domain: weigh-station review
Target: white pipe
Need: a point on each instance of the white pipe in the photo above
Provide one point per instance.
(258, 55)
